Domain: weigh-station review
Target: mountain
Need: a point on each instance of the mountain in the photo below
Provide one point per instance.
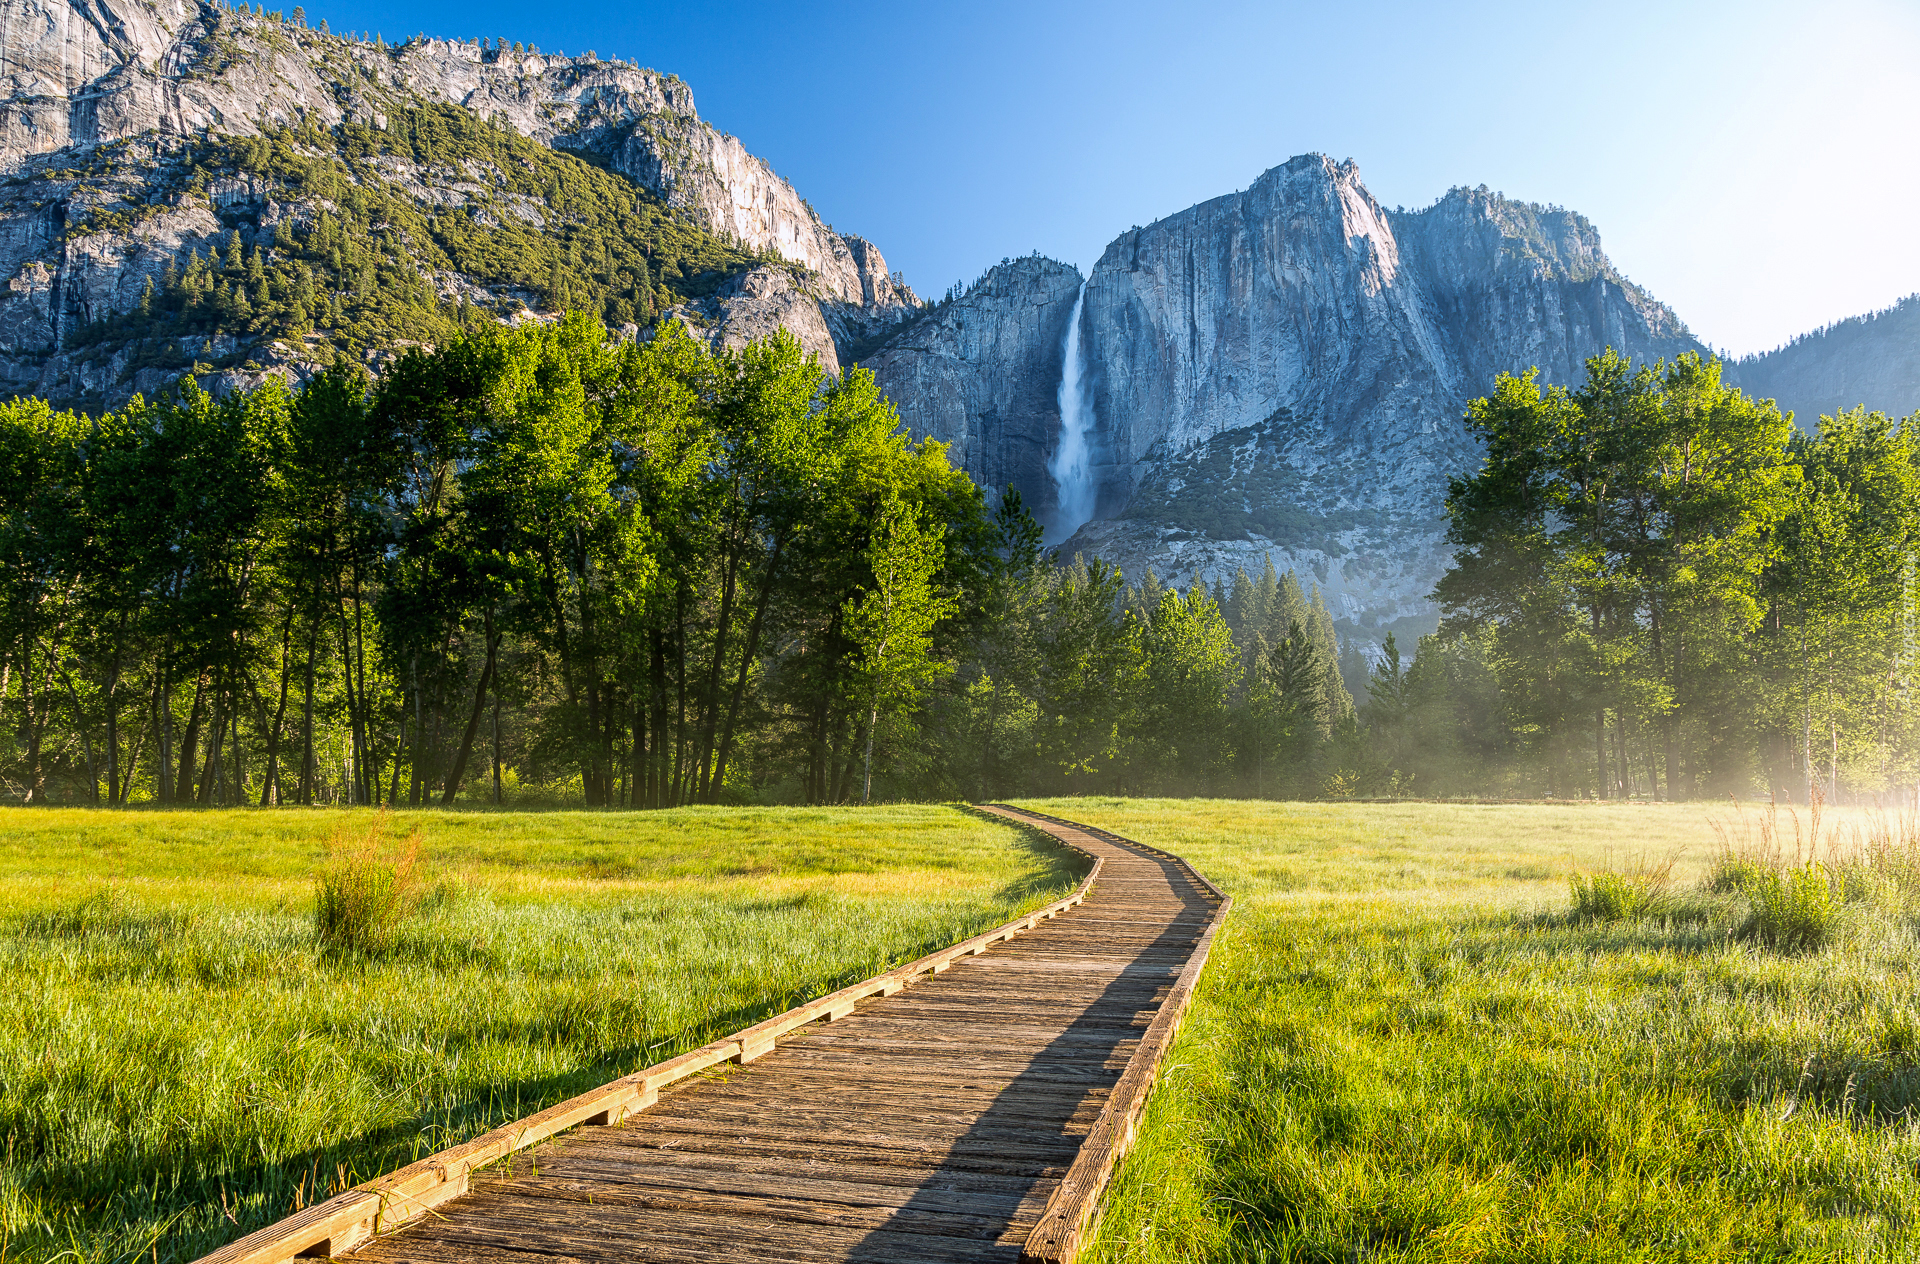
(1279, 372)
(228, 193)
(1871, 360)
(223, 193)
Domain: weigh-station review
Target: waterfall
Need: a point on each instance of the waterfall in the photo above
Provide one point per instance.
(1070, 462)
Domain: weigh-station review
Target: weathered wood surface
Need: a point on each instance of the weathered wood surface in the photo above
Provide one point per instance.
(973, 1115)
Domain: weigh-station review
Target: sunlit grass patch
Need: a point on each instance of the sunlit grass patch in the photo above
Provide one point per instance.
(1458, 1069)
(183, 1058)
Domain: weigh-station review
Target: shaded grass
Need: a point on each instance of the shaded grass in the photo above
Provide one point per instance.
(181, 1062)
(1450, 1067)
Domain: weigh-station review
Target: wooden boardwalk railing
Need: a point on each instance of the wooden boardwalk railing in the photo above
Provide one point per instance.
(971, 1105)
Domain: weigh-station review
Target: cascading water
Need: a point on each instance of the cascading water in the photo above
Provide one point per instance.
(1070, 463)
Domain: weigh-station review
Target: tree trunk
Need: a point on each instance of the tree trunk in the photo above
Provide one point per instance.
(702, 775)
(352, 786)
(86, 743)
(657, 764)
(163, 731)
(414, 762)
(116, 795)
(270, 787)
(399, 750)
(133, 764)
(1620, 756)
(306, 725)
(36, 777)
(473, 720)
(370, 773)
(209, 791)
(873, 722)
(748, 650)
(1600, 753)
(190, 743)
(637, 755)
(680, 685)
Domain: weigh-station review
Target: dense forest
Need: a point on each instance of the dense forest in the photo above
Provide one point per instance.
(542, 565)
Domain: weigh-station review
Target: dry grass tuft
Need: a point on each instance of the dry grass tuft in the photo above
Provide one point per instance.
(370, 886)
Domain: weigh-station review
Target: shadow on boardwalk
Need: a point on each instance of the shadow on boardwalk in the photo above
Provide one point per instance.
(1047, 1110)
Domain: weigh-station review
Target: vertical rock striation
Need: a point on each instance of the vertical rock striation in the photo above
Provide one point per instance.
(1283, 371)
(982, 373)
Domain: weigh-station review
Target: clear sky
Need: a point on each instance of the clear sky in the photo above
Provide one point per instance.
(1755, 165)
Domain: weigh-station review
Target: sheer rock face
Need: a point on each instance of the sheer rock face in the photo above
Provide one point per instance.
(982, 373)
(79, 75)
(1283, 371)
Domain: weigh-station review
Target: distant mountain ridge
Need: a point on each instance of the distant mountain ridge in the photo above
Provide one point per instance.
(1871, 360)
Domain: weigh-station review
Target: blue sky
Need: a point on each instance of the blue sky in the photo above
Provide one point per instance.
(1755, 165)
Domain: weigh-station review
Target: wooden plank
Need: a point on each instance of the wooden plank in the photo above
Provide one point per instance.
(974, 1115)
(1063, 1226)
(333, 1227)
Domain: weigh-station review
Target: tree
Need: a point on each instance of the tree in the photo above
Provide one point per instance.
(1287, 712)
(1614, 540)
(892, 620)
(1192, 668)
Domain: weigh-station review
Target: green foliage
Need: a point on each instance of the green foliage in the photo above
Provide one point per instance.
(1734, 874)
(1794, 909)
(1612, 897)
(1660, 588)
(641, 573)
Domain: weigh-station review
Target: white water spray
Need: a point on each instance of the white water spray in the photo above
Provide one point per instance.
(1070, 462)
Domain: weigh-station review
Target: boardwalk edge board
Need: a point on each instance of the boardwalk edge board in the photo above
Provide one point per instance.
(353, 1218)
(1070, 1212)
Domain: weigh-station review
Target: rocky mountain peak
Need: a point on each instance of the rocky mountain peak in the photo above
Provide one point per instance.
(118, 129)
(1281, 373)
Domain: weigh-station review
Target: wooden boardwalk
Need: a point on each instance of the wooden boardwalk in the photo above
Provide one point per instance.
(933, 1124)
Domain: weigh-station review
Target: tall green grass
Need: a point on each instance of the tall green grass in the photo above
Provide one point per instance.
(1406, 1048)
(185, 1057)
(368, 889)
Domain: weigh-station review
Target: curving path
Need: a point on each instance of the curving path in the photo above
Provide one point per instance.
(934, 1124)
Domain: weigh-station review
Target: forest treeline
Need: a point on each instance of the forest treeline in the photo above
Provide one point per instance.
(539, 565)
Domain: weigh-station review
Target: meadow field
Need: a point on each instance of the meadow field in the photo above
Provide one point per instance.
(1408, 1047)
(183, 1059)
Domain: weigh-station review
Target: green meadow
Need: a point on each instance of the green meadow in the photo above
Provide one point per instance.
(1427, 1032)
(1408, 1046)
(183, 1059)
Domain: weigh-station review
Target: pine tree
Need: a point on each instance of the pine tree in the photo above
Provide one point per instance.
(1339, 701)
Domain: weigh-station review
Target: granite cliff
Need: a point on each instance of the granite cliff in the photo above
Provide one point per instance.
(982, 373)
(1281, 371)
(125, 136)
